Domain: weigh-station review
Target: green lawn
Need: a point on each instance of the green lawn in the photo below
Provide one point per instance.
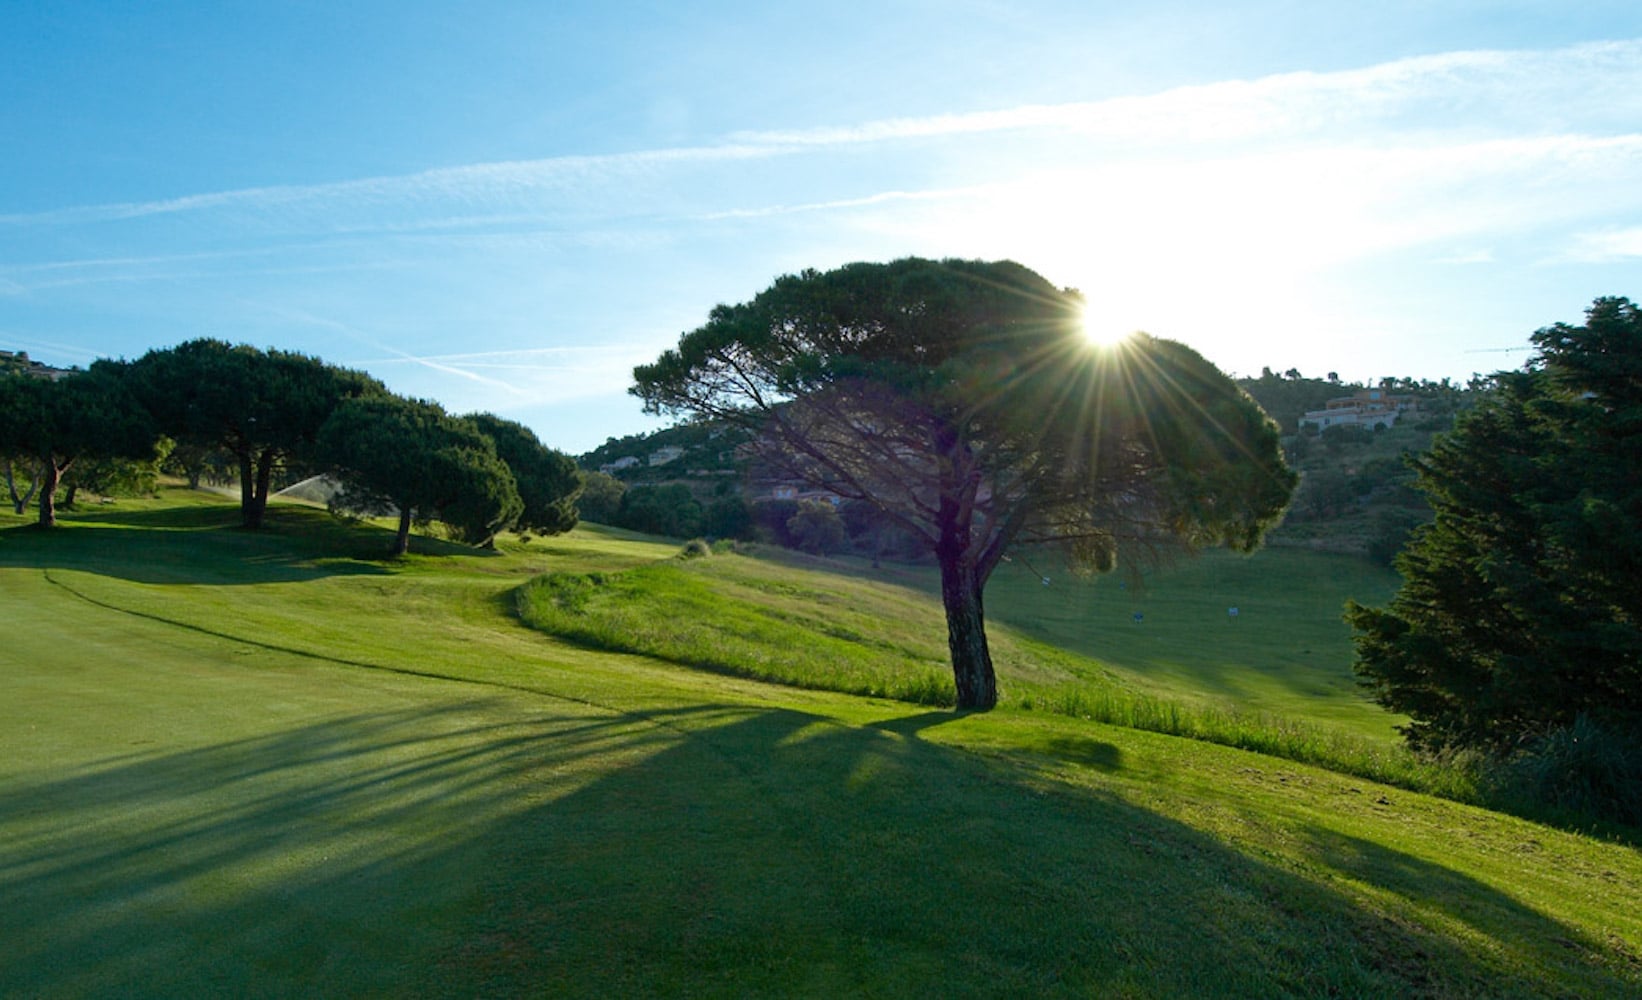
(1286, 652)
(270, 764)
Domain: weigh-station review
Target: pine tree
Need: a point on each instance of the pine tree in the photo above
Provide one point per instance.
(1521, 608)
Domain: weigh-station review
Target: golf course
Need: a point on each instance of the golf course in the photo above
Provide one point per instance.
(277, 763)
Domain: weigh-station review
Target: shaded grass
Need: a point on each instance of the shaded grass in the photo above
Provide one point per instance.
(1287, 653)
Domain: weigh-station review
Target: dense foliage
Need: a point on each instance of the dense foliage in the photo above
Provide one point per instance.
(48, 425)
(547, 480)
(411, 458)
(1521, 610)
(263, 407)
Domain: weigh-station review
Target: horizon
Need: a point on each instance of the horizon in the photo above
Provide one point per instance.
(508, 208)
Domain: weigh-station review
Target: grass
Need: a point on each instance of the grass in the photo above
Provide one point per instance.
(759, 618)
(845, 632)
(271, 764)
(1286, 653)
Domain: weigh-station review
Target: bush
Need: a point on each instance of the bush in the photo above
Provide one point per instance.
(600, 498)
(1584, 769)
(668, 510)
(696, 548)
(817, 529)
(730, 517)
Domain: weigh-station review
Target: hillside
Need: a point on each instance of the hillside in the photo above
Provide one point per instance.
(1355, 496)
(272, 764)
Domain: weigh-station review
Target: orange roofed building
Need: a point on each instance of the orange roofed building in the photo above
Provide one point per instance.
(1368, 408)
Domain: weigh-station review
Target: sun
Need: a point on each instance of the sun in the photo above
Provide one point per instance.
(1104, 328)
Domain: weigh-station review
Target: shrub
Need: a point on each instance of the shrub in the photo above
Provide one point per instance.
(817, 528)
(661, 510)
(1583, 769)
(696, 548)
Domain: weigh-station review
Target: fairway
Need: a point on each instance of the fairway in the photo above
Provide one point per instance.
(270, 764)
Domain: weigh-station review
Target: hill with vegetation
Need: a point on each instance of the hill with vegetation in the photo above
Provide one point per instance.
(272, 763)
(1355, 494)
(1355, 491)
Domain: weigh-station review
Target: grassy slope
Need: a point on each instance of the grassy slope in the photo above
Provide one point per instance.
(258, 764)
(1286, 653)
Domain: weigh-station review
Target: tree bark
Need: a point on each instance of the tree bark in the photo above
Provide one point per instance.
(20, 502)
(256, 504)
(401, 541)
(966, 633)
(48, 493)
(247, 486)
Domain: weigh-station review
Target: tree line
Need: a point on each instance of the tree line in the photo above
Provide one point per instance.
(268, 412)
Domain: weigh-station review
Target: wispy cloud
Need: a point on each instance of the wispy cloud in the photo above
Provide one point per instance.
(1593, 88)
(1539, 83)
(868, 201)
(1606, 246)
(533, 376)
(476, 183)
(394, 354)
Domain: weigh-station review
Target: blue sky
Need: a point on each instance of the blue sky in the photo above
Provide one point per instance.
(505, 206)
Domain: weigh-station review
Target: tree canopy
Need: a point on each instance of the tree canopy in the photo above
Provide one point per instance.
(548, 480)
(1521, 604)
(53, 423)
(264, 407)
(961, 399)
(411, 458)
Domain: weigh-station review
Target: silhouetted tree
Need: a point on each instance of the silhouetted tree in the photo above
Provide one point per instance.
(962, 399)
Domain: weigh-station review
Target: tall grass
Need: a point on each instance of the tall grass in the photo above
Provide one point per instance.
(1306, 743)
(1571, 774)
(667, 611)
(741, 617)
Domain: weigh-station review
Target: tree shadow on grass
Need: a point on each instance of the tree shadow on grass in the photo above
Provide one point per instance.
(519, 846)
(205, 545)
(1442, 895)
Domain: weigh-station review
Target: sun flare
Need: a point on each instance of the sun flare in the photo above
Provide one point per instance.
(1102, 329)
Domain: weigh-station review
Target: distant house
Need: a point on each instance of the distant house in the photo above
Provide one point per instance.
(20, 362)
(1368, 408)
(625, 462)
(671, 453)
(797, 492)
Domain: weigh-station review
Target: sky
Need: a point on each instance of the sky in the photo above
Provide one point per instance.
(506, 206)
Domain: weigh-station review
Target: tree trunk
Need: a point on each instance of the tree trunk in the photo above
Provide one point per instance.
(247, 486)
(401, 541)
(966, 633)
(20, 502)
(48, 493)
(253, 507)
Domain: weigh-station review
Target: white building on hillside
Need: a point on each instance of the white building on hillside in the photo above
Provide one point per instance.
(1369, 408)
